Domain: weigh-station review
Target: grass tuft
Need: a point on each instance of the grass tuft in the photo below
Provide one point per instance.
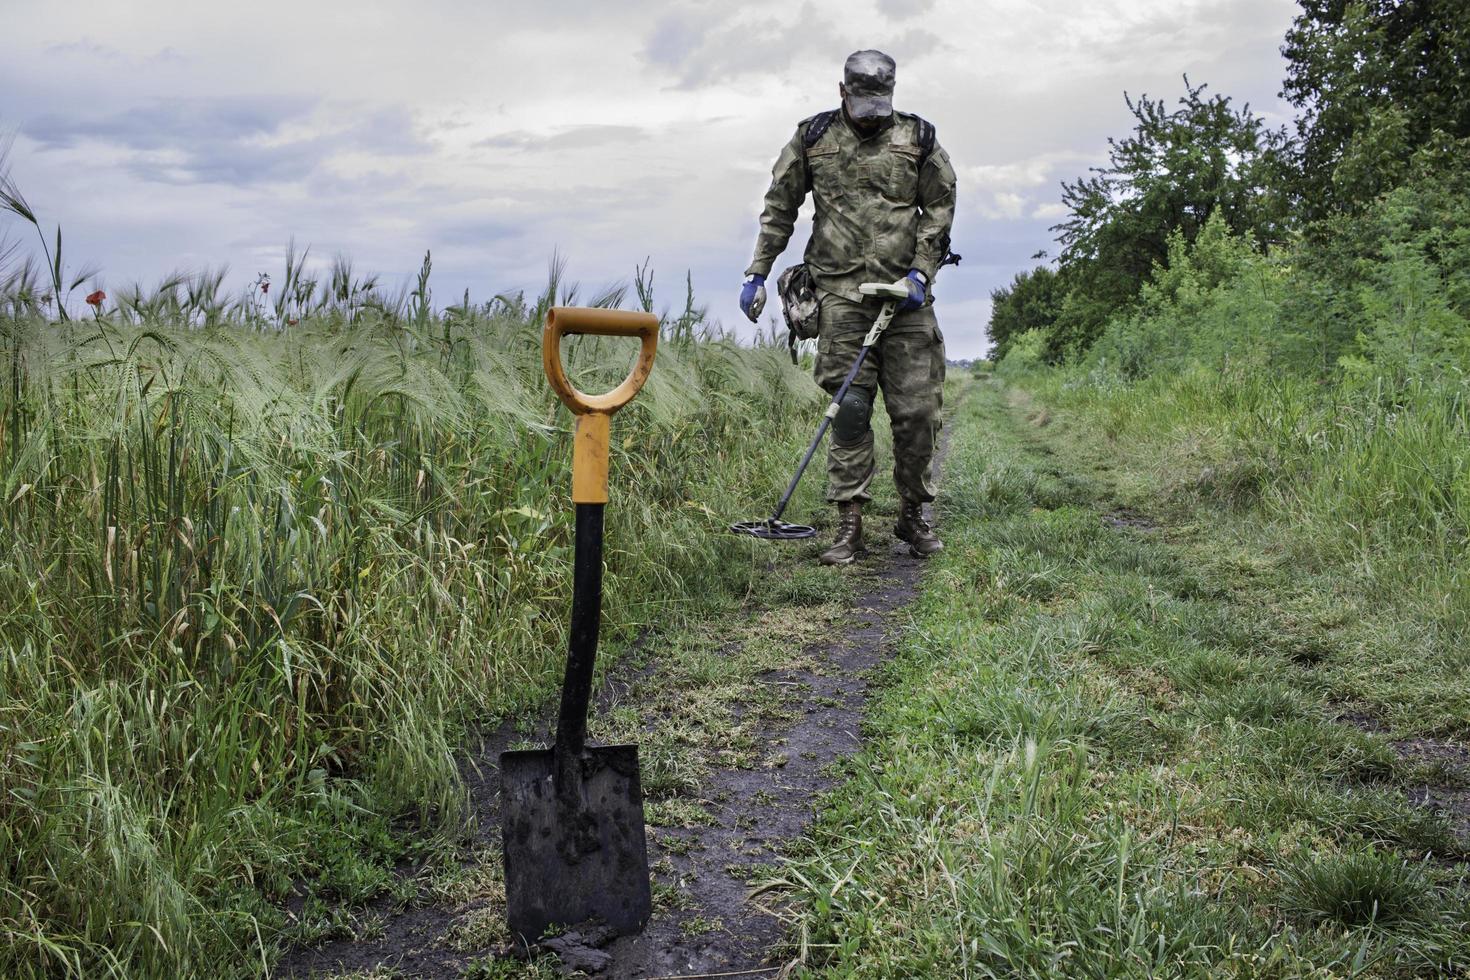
(1353, 888)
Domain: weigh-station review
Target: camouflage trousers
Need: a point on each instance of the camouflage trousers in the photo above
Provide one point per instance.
(907, 365)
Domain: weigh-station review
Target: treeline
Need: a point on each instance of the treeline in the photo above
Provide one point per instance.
(1278, 322)
(1336, 247)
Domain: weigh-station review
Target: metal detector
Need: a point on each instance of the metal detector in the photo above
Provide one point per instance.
(773, 528)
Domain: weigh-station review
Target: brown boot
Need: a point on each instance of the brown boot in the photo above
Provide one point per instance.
(849, 543)
(912, 527)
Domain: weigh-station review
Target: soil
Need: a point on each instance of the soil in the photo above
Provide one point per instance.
(1445, 790)
(761, 810)
(714, 925)
(1124, 518)
(1448, 794)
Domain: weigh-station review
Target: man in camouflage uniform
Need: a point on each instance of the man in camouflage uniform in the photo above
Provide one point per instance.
(884, 194)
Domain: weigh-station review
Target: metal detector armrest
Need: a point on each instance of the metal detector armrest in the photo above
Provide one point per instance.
(888, 290)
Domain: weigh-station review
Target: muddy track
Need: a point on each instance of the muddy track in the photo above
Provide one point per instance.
(1440, 767)
(759, 810)
(705, 919)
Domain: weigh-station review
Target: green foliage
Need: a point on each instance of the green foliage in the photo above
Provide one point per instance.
(1027, 352)
(1167, 178)
(1374, 185)
(1382, 303)
(1375, 80)
(1214, 304)
(1409, 331)
(1416, 238)
(1030, 302)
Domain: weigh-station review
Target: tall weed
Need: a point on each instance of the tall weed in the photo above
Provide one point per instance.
(261, 570)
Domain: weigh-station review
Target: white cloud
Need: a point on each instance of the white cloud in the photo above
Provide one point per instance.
(494, 132)
(1004, 204)
(1043, 169)
(905, 9)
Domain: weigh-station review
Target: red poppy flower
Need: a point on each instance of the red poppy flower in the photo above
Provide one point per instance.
(95, 299)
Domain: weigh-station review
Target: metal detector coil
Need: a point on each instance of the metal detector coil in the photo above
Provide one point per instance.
(774, 530)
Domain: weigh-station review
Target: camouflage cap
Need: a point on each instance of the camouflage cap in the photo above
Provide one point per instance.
(868, 77)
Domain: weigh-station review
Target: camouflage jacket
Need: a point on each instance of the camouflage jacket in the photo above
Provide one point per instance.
(878, 214)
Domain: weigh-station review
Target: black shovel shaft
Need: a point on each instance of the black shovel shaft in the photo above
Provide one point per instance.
(821, 431)
(576, 688)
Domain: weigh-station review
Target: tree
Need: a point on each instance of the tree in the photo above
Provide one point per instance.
(1425, 219)
(1030, 302)
(1374, 80)
(1175, 170)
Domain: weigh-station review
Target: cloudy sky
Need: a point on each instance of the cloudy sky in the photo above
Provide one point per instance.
(170, 135)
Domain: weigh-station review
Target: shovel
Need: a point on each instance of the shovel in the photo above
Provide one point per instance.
(572, 815)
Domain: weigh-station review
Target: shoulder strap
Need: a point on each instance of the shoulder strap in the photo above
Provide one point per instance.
(923, 136)
(926, 139)
(816, 128)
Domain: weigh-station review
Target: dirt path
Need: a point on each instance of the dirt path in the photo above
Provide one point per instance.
(764, 756)
(761, 809)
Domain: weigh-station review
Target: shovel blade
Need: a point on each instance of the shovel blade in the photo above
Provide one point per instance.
(574, 856)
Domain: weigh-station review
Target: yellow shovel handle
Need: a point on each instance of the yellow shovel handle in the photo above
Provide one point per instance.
(594, 412)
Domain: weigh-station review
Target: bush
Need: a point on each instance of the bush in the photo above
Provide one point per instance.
(1027, 352)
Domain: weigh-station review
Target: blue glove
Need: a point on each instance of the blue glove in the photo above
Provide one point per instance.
(753, 297)
(917, 293)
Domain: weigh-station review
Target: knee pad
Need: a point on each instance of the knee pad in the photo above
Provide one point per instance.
(850, 424)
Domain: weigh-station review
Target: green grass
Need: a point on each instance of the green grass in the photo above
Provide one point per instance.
(258, 582)
(1346, 511)
(1099, 753)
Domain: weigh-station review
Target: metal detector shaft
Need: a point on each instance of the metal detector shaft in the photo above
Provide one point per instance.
(879, 326)
(827, 418)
